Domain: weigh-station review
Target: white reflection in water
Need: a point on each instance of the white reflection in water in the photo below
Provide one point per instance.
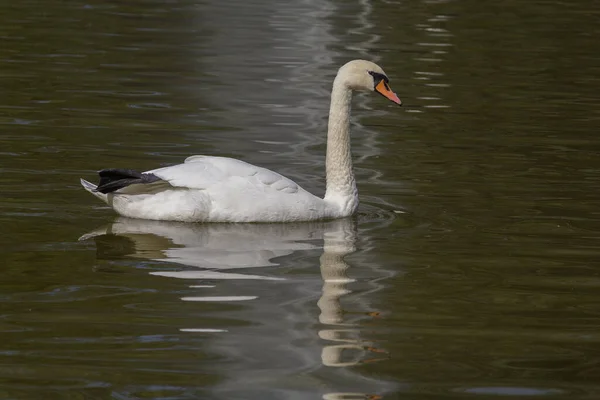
(212, 250)
(431, 53)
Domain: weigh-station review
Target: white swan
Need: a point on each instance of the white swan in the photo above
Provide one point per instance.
(219, 189)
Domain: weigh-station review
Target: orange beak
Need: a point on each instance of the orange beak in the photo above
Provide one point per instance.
(383, 89)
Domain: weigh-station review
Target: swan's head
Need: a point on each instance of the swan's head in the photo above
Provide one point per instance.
(366, 76)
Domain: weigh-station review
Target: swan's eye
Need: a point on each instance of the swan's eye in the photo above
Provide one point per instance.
(377, 77)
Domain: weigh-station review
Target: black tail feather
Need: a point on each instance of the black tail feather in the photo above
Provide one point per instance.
(115, 178)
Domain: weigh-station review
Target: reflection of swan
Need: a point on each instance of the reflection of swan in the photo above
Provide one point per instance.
(214, 249)
(222, 189)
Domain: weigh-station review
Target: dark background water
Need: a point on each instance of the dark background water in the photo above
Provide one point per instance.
(471, 270)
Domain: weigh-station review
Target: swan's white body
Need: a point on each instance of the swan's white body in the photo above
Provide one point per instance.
(219, 189)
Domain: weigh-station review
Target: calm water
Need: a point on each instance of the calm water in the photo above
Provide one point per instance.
(470, 272)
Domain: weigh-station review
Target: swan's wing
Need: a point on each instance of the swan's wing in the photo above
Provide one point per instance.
(204, 172)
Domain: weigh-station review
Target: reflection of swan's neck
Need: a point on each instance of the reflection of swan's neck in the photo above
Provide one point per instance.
(341, 187)
(335, 280)
(337, 244)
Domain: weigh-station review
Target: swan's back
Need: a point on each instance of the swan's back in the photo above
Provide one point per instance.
(206, 172)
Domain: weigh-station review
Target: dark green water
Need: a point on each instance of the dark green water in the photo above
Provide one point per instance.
(470, 272)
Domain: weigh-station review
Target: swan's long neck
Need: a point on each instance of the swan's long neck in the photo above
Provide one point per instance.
(341, 186)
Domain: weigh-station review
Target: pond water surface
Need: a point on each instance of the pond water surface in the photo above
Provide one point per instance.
(470, 272)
